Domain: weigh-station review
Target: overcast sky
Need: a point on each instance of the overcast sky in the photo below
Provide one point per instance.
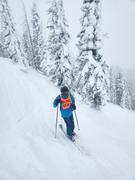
(117, 21)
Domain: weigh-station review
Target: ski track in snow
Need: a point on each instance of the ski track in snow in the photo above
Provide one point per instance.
(105, 146)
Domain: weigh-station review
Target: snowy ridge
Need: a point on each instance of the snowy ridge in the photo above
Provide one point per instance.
(28, 150)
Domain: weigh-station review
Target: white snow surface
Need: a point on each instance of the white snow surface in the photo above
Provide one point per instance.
(105, 146)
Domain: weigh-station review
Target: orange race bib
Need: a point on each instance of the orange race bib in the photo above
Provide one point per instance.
(66, 102)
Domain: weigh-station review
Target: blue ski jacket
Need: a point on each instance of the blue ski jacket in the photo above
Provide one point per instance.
(65, 113)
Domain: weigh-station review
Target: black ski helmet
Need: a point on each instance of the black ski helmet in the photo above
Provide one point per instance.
(64, 89)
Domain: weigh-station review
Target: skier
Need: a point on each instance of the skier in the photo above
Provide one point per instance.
(67, 105)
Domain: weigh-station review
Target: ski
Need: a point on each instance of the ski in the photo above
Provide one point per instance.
(62, 129)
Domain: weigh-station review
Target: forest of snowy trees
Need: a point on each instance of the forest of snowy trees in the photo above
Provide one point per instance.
(88, 74)
(121, 89)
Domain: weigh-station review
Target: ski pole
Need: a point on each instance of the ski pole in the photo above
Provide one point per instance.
(56, 121)
(76, 120)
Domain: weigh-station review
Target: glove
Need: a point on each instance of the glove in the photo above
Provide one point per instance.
(73, 106)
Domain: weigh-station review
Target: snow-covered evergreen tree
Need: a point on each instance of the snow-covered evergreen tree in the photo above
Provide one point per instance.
(8, 37)
(112, 92)
(37, 38)
(126, 98)
(91, 71)
(26, 47)
(133, 96)
(27, 39)
(58, 65)
(119, 85)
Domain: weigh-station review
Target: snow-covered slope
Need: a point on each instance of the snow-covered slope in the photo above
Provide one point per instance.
(28, 151)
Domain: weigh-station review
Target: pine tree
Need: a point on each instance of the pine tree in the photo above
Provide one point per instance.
(133, 96)
(46, 65)
(37, 39)
(91, 69)
(27, 39)
(127, 97)
(112, 92)
(58, 65)
(8, 37)
(26, 47)
(119, 85)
